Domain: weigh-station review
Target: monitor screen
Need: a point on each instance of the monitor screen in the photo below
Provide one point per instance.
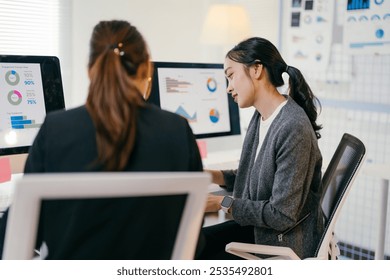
(30, 86)
(196, 91)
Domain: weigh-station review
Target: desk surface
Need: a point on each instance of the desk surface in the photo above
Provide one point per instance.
(218, 160)
(7, 190)
(222, 159)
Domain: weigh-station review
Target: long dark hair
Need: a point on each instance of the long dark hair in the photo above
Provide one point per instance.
(259, 50)
(117, 50)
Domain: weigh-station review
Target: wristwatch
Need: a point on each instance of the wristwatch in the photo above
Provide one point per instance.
(227, 203)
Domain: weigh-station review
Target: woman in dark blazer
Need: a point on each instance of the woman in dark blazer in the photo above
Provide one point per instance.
(116, 130)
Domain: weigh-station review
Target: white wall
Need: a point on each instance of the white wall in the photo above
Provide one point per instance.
(171, 34)
(171, 27)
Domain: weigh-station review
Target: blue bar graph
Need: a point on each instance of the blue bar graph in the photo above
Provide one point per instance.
(17, 118)
(17, 126)
(358, 4)
(21, 122)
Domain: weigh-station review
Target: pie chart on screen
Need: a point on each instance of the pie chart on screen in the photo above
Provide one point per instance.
(14, 97)
(214, 115)
(12, 78)
(211, 85)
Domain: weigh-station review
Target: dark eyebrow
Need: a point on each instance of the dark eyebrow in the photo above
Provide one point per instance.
(227, 70)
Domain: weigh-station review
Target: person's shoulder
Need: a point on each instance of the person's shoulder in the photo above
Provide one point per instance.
(292, 105)
(154, 111)
(66, 114)
(65, 111)
(294, 113)
(293, 120)
(152, 108)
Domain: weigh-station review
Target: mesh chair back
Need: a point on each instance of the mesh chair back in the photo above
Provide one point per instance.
(337, 181)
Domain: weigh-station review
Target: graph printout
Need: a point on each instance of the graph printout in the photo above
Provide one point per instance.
(308, 33)
(367, 26)
(199, 95)
(22, 106)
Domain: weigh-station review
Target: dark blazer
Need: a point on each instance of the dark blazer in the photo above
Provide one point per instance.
(66, 143)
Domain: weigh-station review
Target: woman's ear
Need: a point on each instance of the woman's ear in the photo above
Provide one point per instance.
(257, 70)
(144, 78)
(143, 70)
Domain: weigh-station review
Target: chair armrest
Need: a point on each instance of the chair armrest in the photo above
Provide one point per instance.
(247, 251)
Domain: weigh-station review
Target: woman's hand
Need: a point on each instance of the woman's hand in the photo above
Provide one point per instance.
(213, 203)
(216, 176)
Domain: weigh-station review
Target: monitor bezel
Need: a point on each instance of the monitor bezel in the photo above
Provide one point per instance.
(52, 88)
(154, 98)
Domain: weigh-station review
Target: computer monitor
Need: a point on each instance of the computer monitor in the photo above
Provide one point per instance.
(196, 91)
(30, 86)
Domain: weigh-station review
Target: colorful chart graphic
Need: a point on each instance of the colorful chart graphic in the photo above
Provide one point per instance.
(211, 84)
(358, 4)
(214, 116)
(182, 112)
(366, 30)
(176, 86)
(21, 122)
(12, 78)
(14, 97)
(379, 33)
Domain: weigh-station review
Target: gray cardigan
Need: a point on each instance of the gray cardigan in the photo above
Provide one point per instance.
(282, 185)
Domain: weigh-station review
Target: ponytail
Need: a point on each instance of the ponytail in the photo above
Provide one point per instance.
(303, 96)
(117, 51)
(112, 102)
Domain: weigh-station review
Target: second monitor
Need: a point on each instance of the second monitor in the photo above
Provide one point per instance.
(196, 91)
(30, 87)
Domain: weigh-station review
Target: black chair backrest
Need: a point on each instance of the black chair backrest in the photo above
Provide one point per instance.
(338, 176)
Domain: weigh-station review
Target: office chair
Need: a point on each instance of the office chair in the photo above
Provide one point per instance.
(182, 193)
(336, 182)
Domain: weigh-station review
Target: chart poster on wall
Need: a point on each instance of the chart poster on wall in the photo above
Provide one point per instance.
(22, 106)
(367, 26)
(308, 33)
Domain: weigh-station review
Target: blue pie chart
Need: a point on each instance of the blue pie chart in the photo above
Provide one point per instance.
(214, 115)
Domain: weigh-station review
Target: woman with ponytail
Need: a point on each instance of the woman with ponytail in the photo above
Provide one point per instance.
(116, 130)
(277, 186)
